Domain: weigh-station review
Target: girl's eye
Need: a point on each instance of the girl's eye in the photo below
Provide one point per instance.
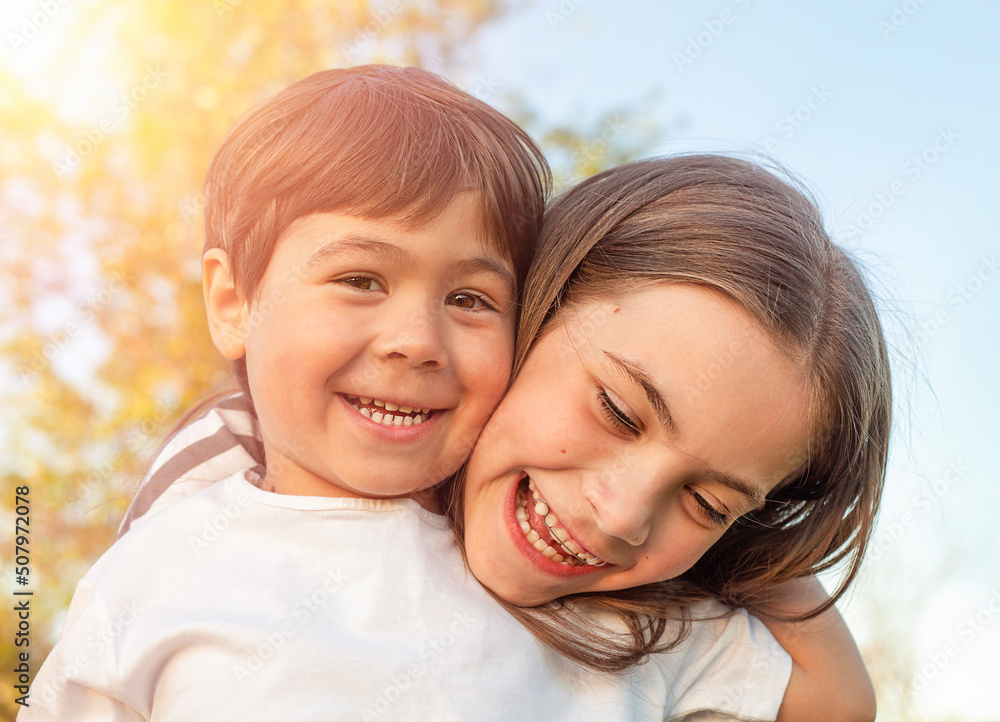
(469, 301)
(618, 418)
(709, 512)
(362, 283)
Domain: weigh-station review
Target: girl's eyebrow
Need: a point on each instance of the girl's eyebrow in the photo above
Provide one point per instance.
(740, 486)
(638, 376)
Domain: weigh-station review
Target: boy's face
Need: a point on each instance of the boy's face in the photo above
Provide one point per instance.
(376, 353)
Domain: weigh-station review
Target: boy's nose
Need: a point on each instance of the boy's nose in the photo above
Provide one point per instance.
(414, 338)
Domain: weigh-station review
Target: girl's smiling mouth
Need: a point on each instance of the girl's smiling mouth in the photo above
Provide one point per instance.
(541, 531)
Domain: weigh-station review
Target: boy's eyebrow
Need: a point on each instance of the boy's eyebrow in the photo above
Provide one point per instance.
(638, 376)
(364, 244)
(396, 254)
(484, 264)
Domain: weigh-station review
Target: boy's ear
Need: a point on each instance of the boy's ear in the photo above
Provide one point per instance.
(224, 304)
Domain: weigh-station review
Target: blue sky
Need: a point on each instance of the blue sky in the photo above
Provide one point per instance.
(889, 111)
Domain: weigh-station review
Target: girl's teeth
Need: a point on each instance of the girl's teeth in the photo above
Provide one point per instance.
(407, 421)
(389, 406)
(405, 409)
(377, 417)
(365, 400)
(541, 507)
(365, 412)
(379, 402)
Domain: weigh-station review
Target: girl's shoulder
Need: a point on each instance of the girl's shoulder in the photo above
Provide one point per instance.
(728, 661)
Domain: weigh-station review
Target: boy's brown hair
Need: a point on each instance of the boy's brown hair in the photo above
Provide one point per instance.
(372, 141)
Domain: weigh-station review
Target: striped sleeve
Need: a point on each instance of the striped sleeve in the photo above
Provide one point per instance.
(219, 443)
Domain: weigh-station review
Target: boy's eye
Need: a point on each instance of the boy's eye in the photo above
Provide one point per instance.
(468, 301)
(362, 283)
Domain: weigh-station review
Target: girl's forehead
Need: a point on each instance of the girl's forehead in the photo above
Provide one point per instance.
(695, 364)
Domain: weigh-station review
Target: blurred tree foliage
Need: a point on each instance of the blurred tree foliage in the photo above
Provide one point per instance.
(103, 343)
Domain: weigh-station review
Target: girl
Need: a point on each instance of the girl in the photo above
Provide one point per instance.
(705, 407)
(701, 412)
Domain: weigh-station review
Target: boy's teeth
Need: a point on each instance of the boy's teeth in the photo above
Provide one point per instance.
(386, 417)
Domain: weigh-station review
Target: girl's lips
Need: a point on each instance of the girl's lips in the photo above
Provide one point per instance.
(536, 557)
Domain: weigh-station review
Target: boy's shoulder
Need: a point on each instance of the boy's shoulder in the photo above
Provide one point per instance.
(218, 443)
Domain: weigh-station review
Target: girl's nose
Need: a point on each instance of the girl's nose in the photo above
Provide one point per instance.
(625, 498)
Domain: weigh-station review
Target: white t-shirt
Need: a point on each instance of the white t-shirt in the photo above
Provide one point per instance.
(239, 604)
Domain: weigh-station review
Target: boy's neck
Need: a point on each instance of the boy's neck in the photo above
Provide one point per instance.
(299, 482)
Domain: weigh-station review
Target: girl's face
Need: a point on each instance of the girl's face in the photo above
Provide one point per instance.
(637, 431)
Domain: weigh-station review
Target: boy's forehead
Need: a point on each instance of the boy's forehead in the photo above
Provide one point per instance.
(414, 219)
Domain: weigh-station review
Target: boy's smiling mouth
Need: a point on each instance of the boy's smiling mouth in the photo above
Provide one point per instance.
(543, 530)
(388, 413)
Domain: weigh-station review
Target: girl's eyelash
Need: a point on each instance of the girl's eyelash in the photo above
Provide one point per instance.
(710, 512)
(616, 416)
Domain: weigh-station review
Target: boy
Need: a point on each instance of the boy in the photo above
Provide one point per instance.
(367, 232)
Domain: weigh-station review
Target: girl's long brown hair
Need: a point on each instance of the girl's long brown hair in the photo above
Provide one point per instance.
(732, 226)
